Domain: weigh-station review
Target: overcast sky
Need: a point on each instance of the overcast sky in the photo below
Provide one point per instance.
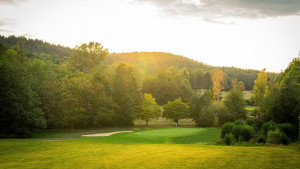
(253, 34)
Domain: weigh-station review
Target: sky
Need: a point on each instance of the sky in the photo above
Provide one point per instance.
(249, 34)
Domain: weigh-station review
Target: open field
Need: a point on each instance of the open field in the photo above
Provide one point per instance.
(144, 148)
(247, 94)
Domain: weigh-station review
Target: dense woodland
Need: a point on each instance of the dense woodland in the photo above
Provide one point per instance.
(46, 86)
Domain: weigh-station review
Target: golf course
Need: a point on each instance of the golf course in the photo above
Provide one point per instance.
(173, 147)
(148, 84)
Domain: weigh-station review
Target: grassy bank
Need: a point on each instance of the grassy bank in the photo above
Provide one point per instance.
(144, 148)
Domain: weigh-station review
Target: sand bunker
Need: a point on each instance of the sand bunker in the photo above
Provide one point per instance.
(105, 134)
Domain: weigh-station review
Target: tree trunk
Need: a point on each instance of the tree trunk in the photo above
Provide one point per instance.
(146, 122)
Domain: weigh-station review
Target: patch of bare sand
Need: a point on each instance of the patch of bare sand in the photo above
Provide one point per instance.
(105, 134)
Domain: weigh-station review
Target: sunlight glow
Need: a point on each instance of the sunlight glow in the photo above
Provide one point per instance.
(127, 26)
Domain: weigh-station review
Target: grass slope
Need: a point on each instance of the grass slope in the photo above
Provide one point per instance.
(122, 151)
(94, 154)
(175, 135)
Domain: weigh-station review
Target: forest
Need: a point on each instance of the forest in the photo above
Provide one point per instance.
(47, 86)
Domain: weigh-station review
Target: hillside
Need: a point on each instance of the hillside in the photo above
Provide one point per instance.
(56, 53)
(150, 62)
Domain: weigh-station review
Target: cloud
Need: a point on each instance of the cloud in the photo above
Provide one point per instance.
(14, 2)
(2, 23)
(7, 22)
(217, 9)
(3, 30)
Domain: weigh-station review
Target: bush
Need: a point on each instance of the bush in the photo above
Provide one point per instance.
(269, 126)
(253, 113)
(259, 123)
(261, 138)
(246, 132)
(288, 129)
(284, 139)
(229, 139)
(277, 137)
(252, 123)
(236, 131)
(223, 114)
(249, 102)
(238, 122)
(226, 129)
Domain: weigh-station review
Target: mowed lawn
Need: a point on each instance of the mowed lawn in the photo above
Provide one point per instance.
(150, 148)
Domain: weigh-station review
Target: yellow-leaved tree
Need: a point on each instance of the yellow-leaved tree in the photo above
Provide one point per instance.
(217, 79)
(260, 88)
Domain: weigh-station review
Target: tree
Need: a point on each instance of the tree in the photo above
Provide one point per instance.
(149, 109)
(217, 79)
(260, 88)
(20, 115)
(126, 93)
(234, 83)
(198, 109)
(197, 79)
(176, 110)
(240, 86)
(207, 80)
(236, 104)
(282, 101)
(87, 56)
(169, 84)
(223, 113)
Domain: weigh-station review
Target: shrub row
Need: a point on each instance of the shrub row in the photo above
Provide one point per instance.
(256, 131)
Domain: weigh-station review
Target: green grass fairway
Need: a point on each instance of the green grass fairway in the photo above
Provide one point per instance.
(176, 135)
(122, 151)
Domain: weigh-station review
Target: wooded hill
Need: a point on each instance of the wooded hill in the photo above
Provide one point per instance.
(49, 86)
(149, 62)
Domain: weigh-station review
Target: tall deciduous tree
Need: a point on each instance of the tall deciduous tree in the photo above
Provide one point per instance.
(217, 79)
(282, 103)
(234, 83)
(198, 106)
(149, 109)
(176, 110)
(87, 56)
(197, 79)
(240, 86)
(126, 94)
(207, 80)
(20, 114)
(236, 104)
(260, 88)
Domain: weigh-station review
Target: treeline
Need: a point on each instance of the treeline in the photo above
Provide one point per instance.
(277, 118)
(247, 76)
(80, 93)
(84, 91)
(38, 48)
(151, 62)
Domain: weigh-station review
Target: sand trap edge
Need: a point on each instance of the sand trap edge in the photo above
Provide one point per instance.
(105, 134)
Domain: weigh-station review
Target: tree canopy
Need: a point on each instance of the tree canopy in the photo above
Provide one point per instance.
(217, 80)
(149, 109)
(176, 110)
(260, 88)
